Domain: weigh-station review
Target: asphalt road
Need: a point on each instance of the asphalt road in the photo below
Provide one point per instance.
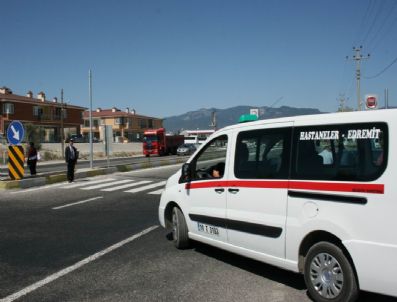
(78, 242)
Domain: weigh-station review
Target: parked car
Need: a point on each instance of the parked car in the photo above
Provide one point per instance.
(78, 138)
(186, 149)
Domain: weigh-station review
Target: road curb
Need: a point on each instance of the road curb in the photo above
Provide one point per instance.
(51, 179)
(9, 184)
(55, 178)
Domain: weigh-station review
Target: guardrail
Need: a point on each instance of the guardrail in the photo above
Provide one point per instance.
(52, 178)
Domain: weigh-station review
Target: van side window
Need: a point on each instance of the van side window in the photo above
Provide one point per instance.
(262, 154)
(210, 162)
(350, 152)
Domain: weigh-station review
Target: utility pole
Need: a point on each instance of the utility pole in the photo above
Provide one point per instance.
(62, 127)
(90, 94)
(358, 57)
(342, 102)
(386, 98)
(213, 120)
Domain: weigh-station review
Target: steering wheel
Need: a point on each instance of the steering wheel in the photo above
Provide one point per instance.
(203, 173)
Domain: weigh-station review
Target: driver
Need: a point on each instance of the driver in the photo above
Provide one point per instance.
(218, 170)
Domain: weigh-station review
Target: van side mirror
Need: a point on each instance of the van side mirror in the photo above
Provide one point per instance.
(186, 175)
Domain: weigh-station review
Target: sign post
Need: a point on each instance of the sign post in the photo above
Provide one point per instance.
(16, 156)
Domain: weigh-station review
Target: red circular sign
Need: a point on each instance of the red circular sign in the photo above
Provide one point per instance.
(371, 102)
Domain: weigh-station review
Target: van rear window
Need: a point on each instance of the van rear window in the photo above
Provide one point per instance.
(350, 152)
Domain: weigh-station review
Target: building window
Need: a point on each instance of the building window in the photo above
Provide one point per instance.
(142, 123)
(59, 113)
(95, 123)
(119, 121)
(8, 108)
(102, 122)
(37, 111)
(150, 125)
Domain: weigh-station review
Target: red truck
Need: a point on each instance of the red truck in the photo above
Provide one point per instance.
(156, 142)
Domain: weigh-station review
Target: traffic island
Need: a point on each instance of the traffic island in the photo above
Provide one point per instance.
(42, 180)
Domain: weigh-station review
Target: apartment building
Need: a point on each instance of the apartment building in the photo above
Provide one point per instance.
(48, 117)
(126, 125)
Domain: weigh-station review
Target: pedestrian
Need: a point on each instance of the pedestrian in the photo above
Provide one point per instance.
(32, 158)
(71, 156)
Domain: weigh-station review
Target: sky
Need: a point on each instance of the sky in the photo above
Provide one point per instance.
(168, 57)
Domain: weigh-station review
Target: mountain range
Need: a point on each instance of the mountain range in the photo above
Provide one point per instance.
(201, 119)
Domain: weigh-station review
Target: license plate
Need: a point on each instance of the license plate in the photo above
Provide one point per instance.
(208, 229)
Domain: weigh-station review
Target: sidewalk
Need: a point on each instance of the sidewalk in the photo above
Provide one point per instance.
(53, 177)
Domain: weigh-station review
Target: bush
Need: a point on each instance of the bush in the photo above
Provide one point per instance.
(47, 155)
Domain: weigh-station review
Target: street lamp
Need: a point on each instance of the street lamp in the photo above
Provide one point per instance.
(62, 127)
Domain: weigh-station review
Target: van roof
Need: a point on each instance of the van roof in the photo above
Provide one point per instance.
(379, 115)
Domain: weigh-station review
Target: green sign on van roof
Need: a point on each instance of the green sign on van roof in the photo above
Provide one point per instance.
(247, 118)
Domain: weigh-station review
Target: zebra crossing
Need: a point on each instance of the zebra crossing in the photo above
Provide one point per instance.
(126, 185)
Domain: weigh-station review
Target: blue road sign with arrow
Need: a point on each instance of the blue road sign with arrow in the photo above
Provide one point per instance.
(15, 133)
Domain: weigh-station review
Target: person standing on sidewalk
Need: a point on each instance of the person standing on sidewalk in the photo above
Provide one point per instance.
(32, 158)
(71, 156)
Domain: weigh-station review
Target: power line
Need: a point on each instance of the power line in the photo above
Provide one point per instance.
(383, 70)
(391, 26)
(276, 101)
(376, 36)
(369, 6)
(380, 8)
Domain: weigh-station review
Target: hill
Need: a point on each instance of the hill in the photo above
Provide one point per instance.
(201, 119)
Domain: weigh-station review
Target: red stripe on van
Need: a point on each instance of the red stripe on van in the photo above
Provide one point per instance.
(297, 185)
(338, 187)
(206, 184)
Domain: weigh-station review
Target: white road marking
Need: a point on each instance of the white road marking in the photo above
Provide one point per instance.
(108, 184)
(74, 267)
(150, 169)
(158, 192)
(39, 188)
(84, 183)
(161, 183)
(78, 202)
(134, 184)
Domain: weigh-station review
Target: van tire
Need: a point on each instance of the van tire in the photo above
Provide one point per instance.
(326, 283)
(179, 229)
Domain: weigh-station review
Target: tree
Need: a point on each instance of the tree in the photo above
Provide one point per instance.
(34, 134)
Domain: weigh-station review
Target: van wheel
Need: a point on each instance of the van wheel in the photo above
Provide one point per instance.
(329, 276)
(179, 229)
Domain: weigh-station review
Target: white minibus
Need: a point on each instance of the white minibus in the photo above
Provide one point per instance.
(312, 194)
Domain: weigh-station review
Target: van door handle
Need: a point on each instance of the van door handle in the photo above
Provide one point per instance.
(234, 191)
(219, 190)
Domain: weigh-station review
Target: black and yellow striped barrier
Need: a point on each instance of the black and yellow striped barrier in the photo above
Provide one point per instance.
(16, 158)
